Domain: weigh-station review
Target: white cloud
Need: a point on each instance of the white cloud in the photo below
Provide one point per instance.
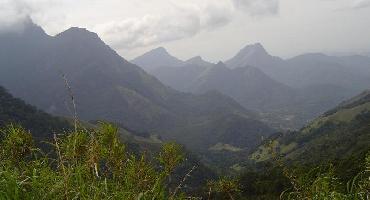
(175, 21)
(185, 20)
(14, 12)
(11, 13)
(150, 29)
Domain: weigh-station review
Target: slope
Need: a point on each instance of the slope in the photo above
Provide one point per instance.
(15, 111)
(339, 133)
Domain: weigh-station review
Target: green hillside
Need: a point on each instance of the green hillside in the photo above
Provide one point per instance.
(337, 134)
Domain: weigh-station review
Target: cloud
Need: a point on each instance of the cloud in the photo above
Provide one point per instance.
(357, 4)
(258, 7)
(148, 30)
(180, 19)
(185, 20)
(13, 13)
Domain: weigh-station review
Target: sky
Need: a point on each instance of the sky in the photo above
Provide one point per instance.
(213, 29)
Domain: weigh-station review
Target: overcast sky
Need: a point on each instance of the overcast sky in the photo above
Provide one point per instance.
(214, 29)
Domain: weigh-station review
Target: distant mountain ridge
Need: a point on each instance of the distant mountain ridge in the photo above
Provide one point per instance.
(351, 72)
(108, 87)
(287, 92)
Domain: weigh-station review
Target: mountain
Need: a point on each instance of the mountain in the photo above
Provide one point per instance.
(319, 81)
(155, 58)
(106, 86)
(179, 78)
(41, 124)
(318, 69)
(247, 85)
(198, 61)
(307, 70)
(340, 132)
(255, 55)
(279, 105)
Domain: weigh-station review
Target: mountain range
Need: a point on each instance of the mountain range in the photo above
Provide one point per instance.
(286, 93)
(351, 72)
(46, 71)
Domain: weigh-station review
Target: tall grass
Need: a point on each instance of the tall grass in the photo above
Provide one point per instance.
(83, 164)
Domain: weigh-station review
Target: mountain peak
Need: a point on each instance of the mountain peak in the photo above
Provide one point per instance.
(79, 33)
(158, 57)
(160, 51)
(220, 63)
(197, 60)
(80, 36)
(256, 48)
(254, 55)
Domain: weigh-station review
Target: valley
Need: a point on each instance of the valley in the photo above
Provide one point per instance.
(75, 113)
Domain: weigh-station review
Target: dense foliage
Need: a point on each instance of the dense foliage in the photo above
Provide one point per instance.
(86, 164)
(342, 179)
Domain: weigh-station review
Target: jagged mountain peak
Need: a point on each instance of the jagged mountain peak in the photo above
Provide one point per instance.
(195, 59)
(198, 60)
(160, 50)
(158, 57)
(254, 55)
(220, 63)
(256, 47)
(254, 50)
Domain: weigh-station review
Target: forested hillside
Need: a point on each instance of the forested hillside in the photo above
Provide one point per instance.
(41, 124)
(339, 133)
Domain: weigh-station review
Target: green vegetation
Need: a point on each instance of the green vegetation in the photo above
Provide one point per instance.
(324, 183)
(94, 164)
(86, 164)
(340, 133)
(41, 124)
